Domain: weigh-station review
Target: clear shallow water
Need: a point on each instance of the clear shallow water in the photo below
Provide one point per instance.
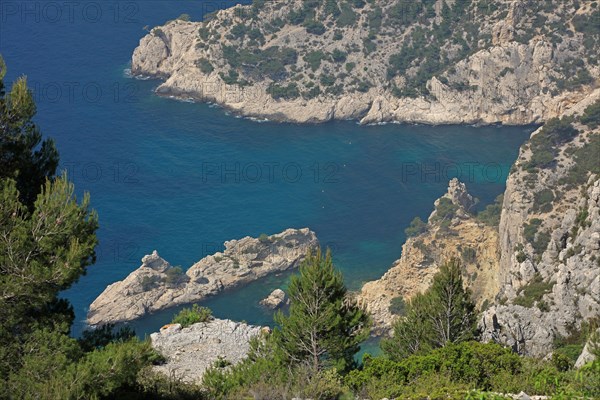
(182, 178)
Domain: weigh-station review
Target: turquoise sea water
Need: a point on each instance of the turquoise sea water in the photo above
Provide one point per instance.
(182, 178)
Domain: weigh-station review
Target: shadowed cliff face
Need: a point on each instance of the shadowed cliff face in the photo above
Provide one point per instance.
(536, 275)
(549, 240)
(512, 62)
(156, 285)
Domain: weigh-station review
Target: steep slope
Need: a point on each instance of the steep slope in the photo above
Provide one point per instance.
(550, 237)
(429, 61)
(541, 265)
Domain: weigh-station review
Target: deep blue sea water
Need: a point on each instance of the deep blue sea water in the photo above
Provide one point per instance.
(182, 178)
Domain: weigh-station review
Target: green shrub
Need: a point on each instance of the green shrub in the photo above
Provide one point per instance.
(539, 240)
(544, 144)
(491, 214)
(288, 92)
(264, 238)
(190, 316)
(397, 306)
(338, 56)
(175, 276)
(468, 254)
(416, 227)
(471, 363)
(205, 66)
(149, 282)
(314, 27)
(533, 292)
(591, 115)
(586, 162)
(542, 201)
(347, 16)
(445, 210)
(314, 58)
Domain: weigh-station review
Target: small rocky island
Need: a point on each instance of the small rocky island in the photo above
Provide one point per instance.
(157, 285)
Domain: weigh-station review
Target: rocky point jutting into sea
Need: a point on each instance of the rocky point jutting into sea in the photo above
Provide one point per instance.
(157, 285)
(535, 273)
(377, 62)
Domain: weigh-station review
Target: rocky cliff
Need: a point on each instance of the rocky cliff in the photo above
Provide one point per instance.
(550, 237)
(456, 233)
(157, 285)
(538, 272)
(426, 61)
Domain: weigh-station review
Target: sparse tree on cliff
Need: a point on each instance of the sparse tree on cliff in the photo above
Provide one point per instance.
(324, 327)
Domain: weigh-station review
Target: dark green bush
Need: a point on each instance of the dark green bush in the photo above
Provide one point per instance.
(591, 115)
(190, 316)
(175, 276)
(491, 214)
(416, 227)
(204, 65)
(397, 306)
(314, 27)
(542, 200)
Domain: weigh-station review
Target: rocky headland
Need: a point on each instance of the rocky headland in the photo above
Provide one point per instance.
(444, 62)
(456, 233)
(535, 272)
(157, 285)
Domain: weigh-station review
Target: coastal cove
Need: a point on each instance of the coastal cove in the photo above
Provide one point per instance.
(182, 178)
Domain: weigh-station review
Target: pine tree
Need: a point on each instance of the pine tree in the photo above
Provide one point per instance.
(444, 314)
(324, 327)
(451, 310)
(24, 157)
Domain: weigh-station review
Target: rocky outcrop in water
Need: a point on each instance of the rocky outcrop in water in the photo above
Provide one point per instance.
(156, 285)
(375, 62)
(276, 299)
(190, 351)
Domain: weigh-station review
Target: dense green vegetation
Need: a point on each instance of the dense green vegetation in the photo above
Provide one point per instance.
(431, 355)
(416, 227)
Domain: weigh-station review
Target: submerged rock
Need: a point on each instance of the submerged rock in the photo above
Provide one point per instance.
(156, 285)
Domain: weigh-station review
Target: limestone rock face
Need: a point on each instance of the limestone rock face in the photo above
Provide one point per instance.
(276, 299)
(157, 285)
(505, 80)
(560, 254)
(190, 351)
